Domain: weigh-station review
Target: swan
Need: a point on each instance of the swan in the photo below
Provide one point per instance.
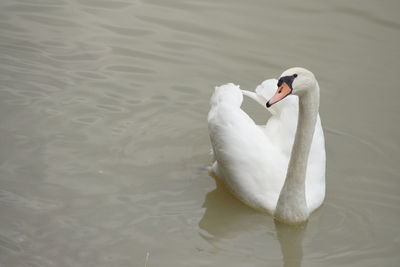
(278, 168)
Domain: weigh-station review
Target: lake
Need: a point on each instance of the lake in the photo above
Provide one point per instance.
(104, 145)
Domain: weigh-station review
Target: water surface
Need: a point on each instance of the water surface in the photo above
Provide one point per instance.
(104, 143)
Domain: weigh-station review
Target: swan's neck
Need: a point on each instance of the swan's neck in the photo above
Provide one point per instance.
(292, 205)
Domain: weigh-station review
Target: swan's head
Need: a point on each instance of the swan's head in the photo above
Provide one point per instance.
(296, 81)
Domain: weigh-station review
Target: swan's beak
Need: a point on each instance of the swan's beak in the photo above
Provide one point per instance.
(283, 91)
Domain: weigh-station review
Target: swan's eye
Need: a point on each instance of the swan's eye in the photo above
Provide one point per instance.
(295, 75)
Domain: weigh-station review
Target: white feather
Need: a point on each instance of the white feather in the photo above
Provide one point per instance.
(253, 160)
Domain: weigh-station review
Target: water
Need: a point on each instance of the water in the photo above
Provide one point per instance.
(104, 143)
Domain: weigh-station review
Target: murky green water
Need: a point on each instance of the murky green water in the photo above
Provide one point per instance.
(104, 143)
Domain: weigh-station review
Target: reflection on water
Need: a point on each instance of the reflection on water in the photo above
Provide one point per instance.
(104, 143)
(225, 218)
(291, 241)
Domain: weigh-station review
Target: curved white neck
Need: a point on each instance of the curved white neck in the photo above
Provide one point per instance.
(292, 205)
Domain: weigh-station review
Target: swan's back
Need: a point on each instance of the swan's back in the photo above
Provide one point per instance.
(248, 162)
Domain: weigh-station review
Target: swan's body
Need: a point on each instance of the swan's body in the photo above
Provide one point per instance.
(253, 160)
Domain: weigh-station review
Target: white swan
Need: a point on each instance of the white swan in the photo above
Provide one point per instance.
(253, 161)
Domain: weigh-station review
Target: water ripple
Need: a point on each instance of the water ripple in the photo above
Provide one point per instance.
(14, 199)
(105, 4)
(369, 17)
(103, 111)
(50, 21)
(124, 31)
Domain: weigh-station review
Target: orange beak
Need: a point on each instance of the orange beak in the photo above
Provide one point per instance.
(283, 91)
